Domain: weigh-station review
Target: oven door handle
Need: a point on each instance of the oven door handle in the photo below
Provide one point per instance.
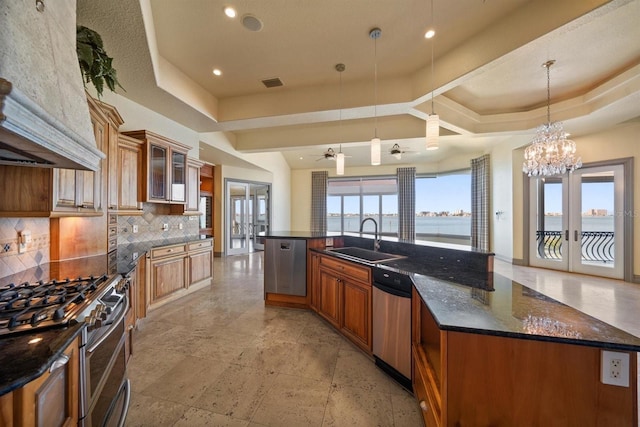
(127, 401)
(124, 302)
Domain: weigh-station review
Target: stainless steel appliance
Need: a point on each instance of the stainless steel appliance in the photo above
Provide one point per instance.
(285, 266)
(101, 303)
(391, 301)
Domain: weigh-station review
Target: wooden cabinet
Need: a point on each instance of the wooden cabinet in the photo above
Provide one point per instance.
(343, 291)
(200, 261)
(176, 269)
(168, 271)
(470, 379)
(164, 169)
(314, 278)
(52, 399)
(129, 179)
(54, 192)
(131, 317)
(192, 200)
(329, 296)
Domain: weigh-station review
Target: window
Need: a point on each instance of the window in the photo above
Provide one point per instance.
(443, 205)
(351, 200)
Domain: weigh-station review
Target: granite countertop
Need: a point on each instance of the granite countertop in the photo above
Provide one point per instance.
(287, 234)
(128, 254)
(22, 361)
(492, 304)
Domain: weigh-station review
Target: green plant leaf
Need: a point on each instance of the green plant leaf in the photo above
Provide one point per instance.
(96, 66)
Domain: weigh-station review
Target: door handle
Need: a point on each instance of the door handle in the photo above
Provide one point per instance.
(566, 235)
(575, 235)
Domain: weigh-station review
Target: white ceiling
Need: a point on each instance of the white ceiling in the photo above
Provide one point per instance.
(487, 71)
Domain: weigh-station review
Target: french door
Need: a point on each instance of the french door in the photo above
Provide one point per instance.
(576, 221)
(247, 214)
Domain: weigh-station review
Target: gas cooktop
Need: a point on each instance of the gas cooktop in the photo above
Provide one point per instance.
(32, 306)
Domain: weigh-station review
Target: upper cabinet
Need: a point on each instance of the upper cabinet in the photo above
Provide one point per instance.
(47, 192)
(164, 169)
(129, 178)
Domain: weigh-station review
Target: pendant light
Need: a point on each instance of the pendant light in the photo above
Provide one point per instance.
(375, 34)
(433, 121)
(340, 156)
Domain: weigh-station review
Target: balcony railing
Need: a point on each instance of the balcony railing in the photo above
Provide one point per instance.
(597, 246)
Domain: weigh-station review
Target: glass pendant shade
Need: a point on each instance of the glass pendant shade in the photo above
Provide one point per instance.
(433, 131)
(375, 151)
(340, 164)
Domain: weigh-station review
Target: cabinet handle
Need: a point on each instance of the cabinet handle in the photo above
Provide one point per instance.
(423, 406)
(59, 362)
(169, 250)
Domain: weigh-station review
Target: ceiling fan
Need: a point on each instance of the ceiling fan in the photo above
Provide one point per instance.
(327, 155)
(330, 154)
(397, 152)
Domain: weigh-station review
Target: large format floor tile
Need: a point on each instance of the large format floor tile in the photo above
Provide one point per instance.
(219, 357)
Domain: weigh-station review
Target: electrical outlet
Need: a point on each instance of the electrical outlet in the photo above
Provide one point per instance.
(165, 227)
(134, 228)
(180, 226)
(615, 368)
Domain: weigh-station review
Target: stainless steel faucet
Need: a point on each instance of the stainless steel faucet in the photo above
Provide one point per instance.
(376, 242)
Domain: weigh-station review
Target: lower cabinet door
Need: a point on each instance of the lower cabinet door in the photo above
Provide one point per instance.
(167, 276)
(356, 317)
(329, 297)
(200, 266)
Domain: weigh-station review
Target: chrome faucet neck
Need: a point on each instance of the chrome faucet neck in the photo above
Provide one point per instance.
(376, 242)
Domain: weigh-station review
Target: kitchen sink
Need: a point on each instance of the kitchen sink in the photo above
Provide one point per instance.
(366, 255)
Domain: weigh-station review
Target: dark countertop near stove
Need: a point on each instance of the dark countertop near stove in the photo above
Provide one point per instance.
(488, 303)
(22, 361)
(129, 253)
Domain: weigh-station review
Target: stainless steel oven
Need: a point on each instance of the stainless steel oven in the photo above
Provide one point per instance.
(105, 389)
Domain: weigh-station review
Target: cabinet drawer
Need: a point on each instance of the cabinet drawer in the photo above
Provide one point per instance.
(167, 251)
(425, 394)
(348, 269)
(200, 245)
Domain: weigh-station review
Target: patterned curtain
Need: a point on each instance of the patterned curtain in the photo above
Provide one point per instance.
(406, 203)
(319, 201)
(480, 179)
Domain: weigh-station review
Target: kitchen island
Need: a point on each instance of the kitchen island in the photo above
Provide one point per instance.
(490, 351)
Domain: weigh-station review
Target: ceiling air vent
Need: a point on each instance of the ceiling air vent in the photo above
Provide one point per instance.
(274, 82)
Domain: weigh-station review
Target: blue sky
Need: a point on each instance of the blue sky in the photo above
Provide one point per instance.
(594, 196)
(445, 193)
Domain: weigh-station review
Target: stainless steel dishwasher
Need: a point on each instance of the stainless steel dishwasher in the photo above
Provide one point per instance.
(285, 266)
(391, 303)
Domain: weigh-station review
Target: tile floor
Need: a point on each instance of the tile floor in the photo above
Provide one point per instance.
(219, 357)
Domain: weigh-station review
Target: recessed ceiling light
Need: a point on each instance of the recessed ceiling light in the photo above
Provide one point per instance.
(217, 72)
(429, 34)
(230, 12)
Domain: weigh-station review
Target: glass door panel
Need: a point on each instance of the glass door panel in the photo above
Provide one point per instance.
(237, 218)
(573, 222)
(260, 213)
(178, 176)
(596, 230)
(158, 176)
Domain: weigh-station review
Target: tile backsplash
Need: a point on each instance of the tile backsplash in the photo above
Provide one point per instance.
(149, 225)
(36, 252)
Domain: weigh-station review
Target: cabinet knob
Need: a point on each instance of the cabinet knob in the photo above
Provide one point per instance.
(423, 406)
(169, 250)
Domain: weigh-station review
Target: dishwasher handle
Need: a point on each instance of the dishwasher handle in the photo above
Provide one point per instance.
(392, 290)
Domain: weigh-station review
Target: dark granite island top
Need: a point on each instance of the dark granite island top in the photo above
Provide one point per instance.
(516, 311)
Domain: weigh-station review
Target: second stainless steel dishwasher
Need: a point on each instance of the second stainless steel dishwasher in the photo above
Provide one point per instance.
(285, 266)
(391, 301)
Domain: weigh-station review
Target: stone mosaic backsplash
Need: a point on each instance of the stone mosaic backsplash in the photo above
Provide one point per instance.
(151, 225)
(36, 252)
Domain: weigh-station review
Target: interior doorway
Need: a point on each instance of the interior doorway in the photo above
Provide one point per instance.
(248, 214)
(577, 221)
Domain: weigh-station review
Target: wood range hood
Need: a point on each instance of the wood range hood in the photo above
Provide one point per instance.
(44, 117)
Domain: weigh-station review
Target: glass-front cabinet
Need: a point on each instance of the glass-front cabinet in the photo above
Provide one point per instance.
(165, 168)
(157, 172)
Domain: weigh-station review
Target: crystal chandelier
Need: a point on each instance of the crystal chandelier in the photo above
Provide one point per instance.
(550, 152)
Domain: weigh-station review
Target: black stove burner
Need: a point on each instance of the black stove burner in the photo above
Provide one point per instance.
(29, 306)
